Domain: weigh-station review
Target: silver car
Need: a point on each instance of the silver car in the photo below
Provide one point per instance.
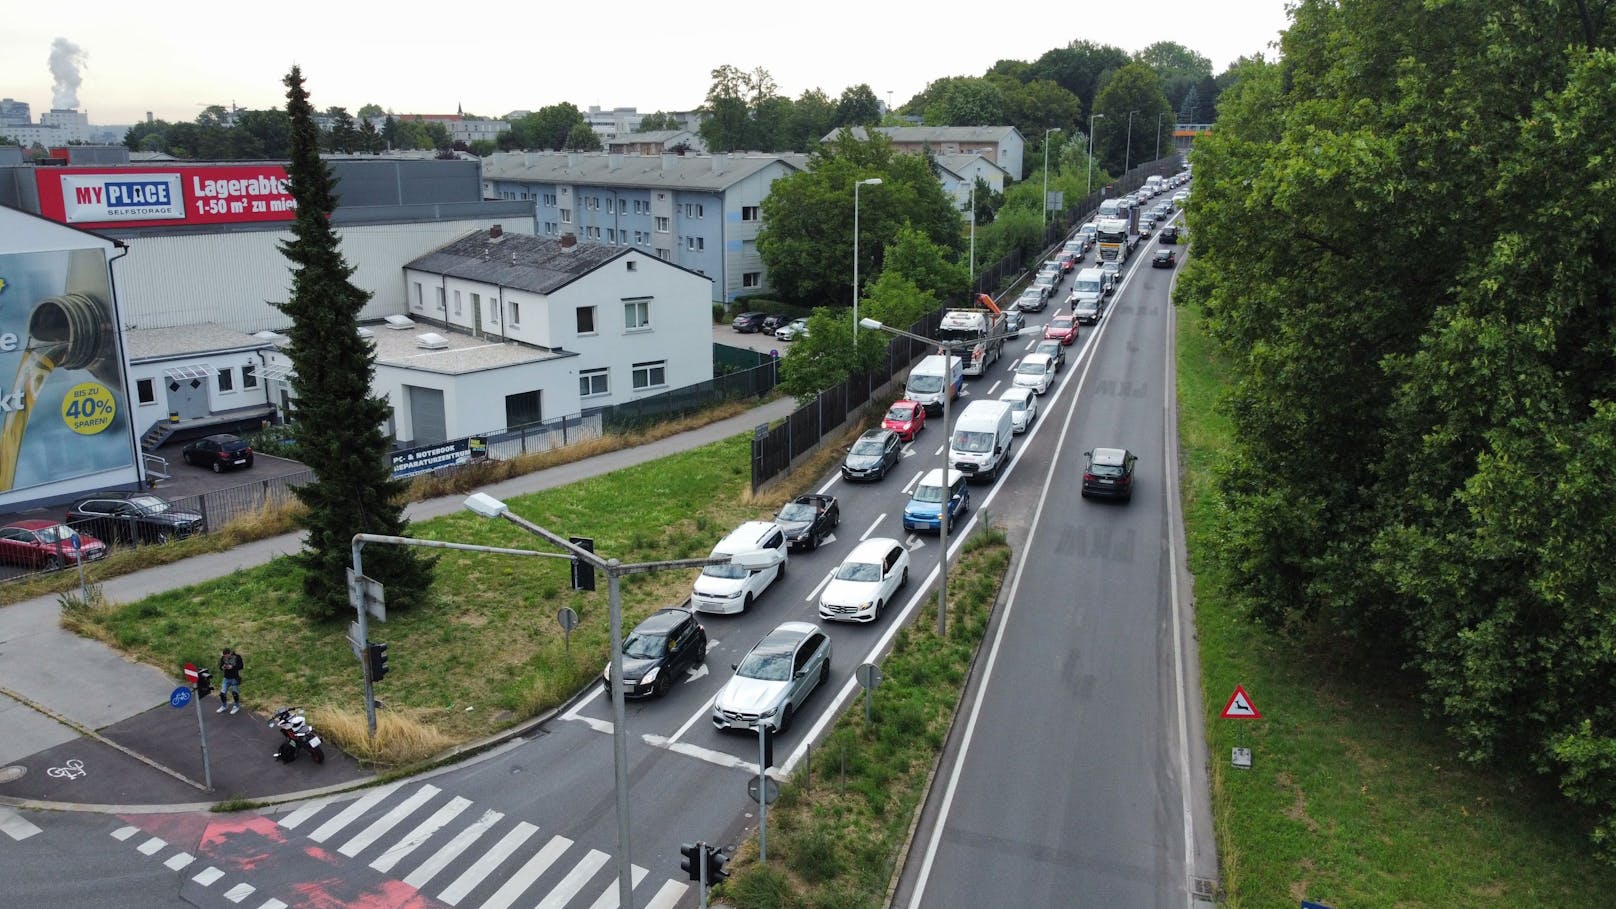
(774, 678)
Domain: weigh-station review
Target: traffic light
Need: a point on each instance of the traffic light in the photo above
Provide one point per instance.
(767, 732)
(694, 855)
(204, 682)
(583, 573)
(378, 661)
(715, 866)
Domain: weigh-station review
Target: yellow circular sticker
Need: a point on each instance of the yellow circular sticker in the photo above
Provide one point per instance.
(89, 408)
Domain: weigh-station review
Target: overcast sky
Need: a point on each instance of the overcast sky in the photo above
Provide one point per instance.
(176, 58)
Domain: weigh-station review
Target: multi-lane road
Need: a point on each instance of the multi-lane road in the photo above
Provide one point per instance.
(1075, 778)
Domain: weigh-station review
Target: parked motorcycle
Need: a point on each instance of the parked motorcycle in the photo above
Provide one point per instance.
(300, 736)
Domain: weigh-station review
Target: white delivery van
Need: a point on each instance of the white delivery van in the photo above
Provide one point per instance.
(926, 385)
(980, 443)
(1087, 288)
(730, 588)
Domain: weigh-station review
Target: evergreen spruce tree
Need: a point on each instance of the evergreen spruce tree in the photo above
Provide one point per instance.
(338, 426)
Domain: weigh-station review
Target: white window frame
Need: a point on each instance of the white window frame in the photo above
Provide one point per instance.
(566, 216)
(249, 376)
(752, 279)
(226, 381)
(664, 225)
(587, 384)
(651, 374)
(637, 314)
(751, 212)
(594, 321)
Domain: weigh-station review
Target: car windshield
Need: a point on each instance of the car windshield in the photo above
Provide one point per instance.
(925, 384)
(929, 494)
(1052, 348)
(867, 447)
(901, 414)
(1087, 286)
(727, 570)
(149, 504)
(974, 442)
(798, 511)
(767, 665)
(644, 646)
(1060, 322)
(858, 571)
(56, 533)
(1032, 367)
(1016, 404)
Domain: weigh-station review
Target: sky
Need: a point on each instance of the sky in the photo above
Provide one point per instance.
(116, 61)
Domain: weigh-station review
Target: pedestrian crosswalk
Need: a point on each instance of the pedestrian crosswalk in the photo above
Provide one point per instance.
(15, 825)
(464, 858)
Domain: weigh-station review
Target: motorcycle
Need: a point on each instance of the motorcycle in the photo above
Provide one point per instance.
(300, 736)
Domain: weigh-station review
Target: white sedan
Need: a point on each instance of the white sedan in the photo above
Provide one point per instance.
(1035, 372)
(1023, 408)
(791, 331)
(866, 581)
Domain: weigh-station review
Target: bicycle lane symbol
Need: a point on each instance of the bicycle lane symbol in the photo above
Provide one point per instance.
(71, 769)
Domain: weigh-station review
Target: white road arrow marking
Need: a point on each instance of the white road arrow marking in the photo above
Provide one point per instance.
(914, 542)
(696, 672)
(829, 539)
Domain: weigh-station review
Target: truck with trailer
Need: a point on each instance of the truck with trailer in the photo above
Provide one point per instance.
(975, 335)
(1117, 229)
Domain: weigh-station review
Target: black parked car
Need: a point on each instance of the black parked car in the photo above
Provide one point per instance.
(748, 322)
(220, 452)
(658, 652)
(128, 517)
(872, 455)
(808, 519)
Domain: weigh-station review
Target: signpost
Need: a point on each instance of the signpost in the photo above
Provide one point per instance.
(568, 619)
(869, 676)
(1240, 707)
(181, 696)
(367, 598)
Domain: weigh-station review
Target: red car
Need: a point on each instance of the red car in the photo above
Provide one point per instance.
(906, 418)
(1061, 328)
(46, 544)
(1068, 261)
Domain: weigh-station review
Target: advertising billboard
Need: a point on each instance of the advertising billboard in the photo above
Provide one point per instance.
(102, 197)
(63, 409)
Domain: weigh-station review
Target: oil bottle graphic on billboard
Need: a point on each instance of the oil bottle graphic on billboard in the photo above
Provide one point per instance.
(62, 413)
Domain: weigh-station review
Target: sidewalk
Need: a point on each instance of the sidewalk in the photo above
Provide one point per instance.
(67, 699)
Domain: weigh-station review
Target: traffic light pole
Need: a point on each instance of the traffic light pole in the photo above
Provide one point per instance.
(202, 732)
(702, 849)
(763, 796)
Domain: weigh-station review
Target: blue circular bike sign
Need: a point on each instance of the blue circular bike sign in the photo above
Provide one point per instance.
(180, 697)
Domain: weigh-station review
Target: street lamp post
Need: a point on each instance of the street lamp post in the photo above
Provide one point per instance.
(1159, 117)
(1127, 152)
(1092, 118)
(1053, 129)
(490, 507)
(972, 204)
(872, 181)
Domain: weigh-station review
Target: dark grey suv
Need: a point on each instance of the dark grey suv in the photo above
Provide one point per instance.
(658, 652)
(131, 517)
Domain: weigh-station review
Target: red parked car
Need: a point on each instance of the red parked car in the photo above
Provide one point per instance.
(1062, 328)
(45, 544)
(906, 418)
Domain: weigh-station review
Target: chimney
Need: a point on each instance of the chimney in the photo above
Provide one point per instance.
(572, 159)
(719, 160)
(667, 160)
(495, 232)
(568, 241)
(613, 162)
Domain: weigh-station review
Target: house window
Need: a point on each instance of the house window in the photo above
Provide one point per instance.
(631, 263)
(249, 376)
(693, 210)
(594, 233)
(665, 255)
(586, 320)
(227, 380)
(636, 314)
(608, 206)
(146, 389)
(592, 383)
(439, 289)
(751, 212)
(695, 243)
(522, 409)
(650, 375)
(752, 279)
(417, 296)
(662, 225)
(457, 303)
(516, 314)
(566, 216)
(611, 235)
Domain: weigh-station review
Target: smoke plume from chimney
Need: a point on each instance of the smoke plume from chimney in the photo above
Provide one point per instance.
(65, 60)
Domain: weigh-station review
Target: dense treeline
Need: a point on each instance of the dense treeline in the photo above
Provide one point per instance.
(1400, 237)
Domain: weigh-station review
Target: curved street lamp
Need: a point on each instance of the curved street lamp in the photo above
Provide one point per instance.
(1092, 118)
(1045, 207)
(1127, 152)
(872, 181)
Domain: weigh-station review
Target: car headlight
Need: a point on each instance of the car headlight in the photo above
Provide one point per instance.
(649, 677)
(768, 713)
(606, 674)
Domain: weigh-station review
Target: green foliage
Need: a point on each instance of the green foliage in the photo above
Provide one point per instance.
(338, 415)
(1132, 103)
(546, 129)
(1179, 68)
(964, 101)
(658, 122)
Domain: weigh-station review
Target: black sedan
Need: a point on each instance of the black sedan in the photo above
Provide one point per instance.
(748, 322)
(1109, 473)
(808, 519)
(219, 452)
(658, 652)
(1164, 258)
(1168, 234)
(872, 455)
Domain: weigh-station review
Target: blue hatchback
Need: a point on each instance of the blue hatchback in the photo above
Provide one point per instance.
(925, 508)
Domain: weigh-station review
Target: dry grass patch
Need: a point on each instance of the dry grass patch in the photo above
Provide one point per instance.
(402, 736)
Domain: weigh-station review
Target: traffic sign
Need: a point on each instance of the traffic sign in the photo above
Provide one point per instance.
(179, 697)
(366, 593)
(868, 675)
(190, 673)
(1240, 706)
(771, 790)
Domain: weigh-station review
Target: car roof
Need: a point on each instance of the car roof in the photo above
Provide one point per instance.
(874, 549)
(877, 433)
(1020, 394)
(786, 635)
(934, 477)
(750, 535)
(1112, 457)
(33, 523)
(663, 620)
(1034, 357)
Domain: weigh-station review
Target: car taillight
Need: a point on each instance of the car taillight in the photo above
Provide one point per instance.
(1087, 476)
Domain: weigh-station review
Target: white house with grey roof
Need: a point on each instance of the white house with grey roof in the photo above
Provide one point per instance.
(959, 173)
(701, 212)
(1003, 145)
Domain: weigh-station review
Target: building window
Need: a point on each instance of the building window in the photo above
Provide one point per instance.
(522, 409)
(592, 383)
(611, 235)
(608, 206)
(631, 263)
(439, 289)
(662, 225)
(751, 213)
(516, 314)
(146, 389)
(566, 216)
(665, 255)
(249, 376)
(696, 243)
(227, 380)
(418, 296)
(636, 314)
(586, 320)
(693, 210)
(457, 303)
(650, 375)
(752, 279)
(593, 233)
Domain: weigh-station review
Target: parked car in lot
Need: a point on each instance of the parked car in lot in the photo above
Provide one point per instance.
(1055, 350)
(1164, 258)
(129, 517)
(791, 331)
(808, 519)
(872, 455)
(1035, 372)
(866, 581)
(1023, 408)
(218, 452)
(774, 678)
(906, 418)
(658, 652)
(1109, 473)
(36, 543)
(748, 322)
(1062, 328)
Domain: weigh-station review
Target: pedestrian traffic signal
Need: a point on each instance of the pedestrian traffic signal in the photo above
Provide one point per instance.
(378, 661)
(715, 866)
(204, 682)
(693, 857)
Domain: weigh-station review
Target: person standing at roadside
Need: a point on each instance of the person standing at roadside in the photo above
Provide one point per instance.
(230, 671)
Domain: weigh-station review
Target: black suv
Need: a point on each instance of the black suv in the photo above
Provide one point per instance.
(748, 322)
(132, 517)
(658, 652)
(1109, 473)
(220, 452)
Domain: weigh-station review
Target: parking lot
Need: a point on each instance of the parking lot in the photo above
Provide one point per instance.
(757, 340)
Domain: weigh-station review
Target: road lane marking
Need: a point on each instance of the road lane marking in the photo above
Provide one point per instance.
(239, 892)
(710, 755)
(208, 876)
(151, 846)
(668, 896)
(308, 810)
(817, 587)
(608, 899)
(388, 821)
(705, 711)
(351, 813)
(16, 826)
(916, 478)
(429, 869)
(871, 529)
(490, 860)
(528, 874)
(179, 861)
(575, 880)
(422, 832)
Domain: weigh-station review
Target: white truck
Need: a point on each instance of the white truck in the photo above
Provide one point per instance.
(976, 335)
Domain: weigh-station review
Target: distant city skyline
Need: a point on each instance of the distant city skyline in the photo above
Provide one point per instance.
(188, 56)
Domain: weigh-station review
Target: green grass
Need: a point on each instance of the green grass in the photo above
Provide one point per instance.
(836, 833)
(1354, 798)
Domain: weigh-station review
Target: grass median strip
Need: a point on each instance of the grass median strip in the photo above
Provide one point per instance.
(841, 823)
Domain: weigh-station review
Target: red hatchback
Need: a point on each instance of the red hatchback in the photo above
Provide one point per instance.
(46, 544)
(906, 418)
(1062, 328)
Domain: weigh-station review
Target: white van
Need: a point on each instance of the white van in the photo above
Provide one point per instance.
(980, 443)
(925, 385)
(1087, 287)
(731, 588)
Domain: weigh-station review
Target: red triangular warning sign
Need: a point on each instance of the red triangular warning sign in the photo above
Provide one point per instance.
(1240, 706)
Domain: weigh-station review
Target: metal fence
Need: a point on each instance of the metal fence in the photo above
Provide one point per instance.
(747, 383)
(536, 437)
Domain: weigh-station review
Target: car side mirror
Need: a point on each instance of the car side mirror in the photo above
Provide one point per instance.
(734, 666)
(801, 673)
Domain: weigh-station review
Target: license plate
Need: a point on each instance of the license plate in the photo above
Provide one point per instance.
(239, 461)
(314, 741)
